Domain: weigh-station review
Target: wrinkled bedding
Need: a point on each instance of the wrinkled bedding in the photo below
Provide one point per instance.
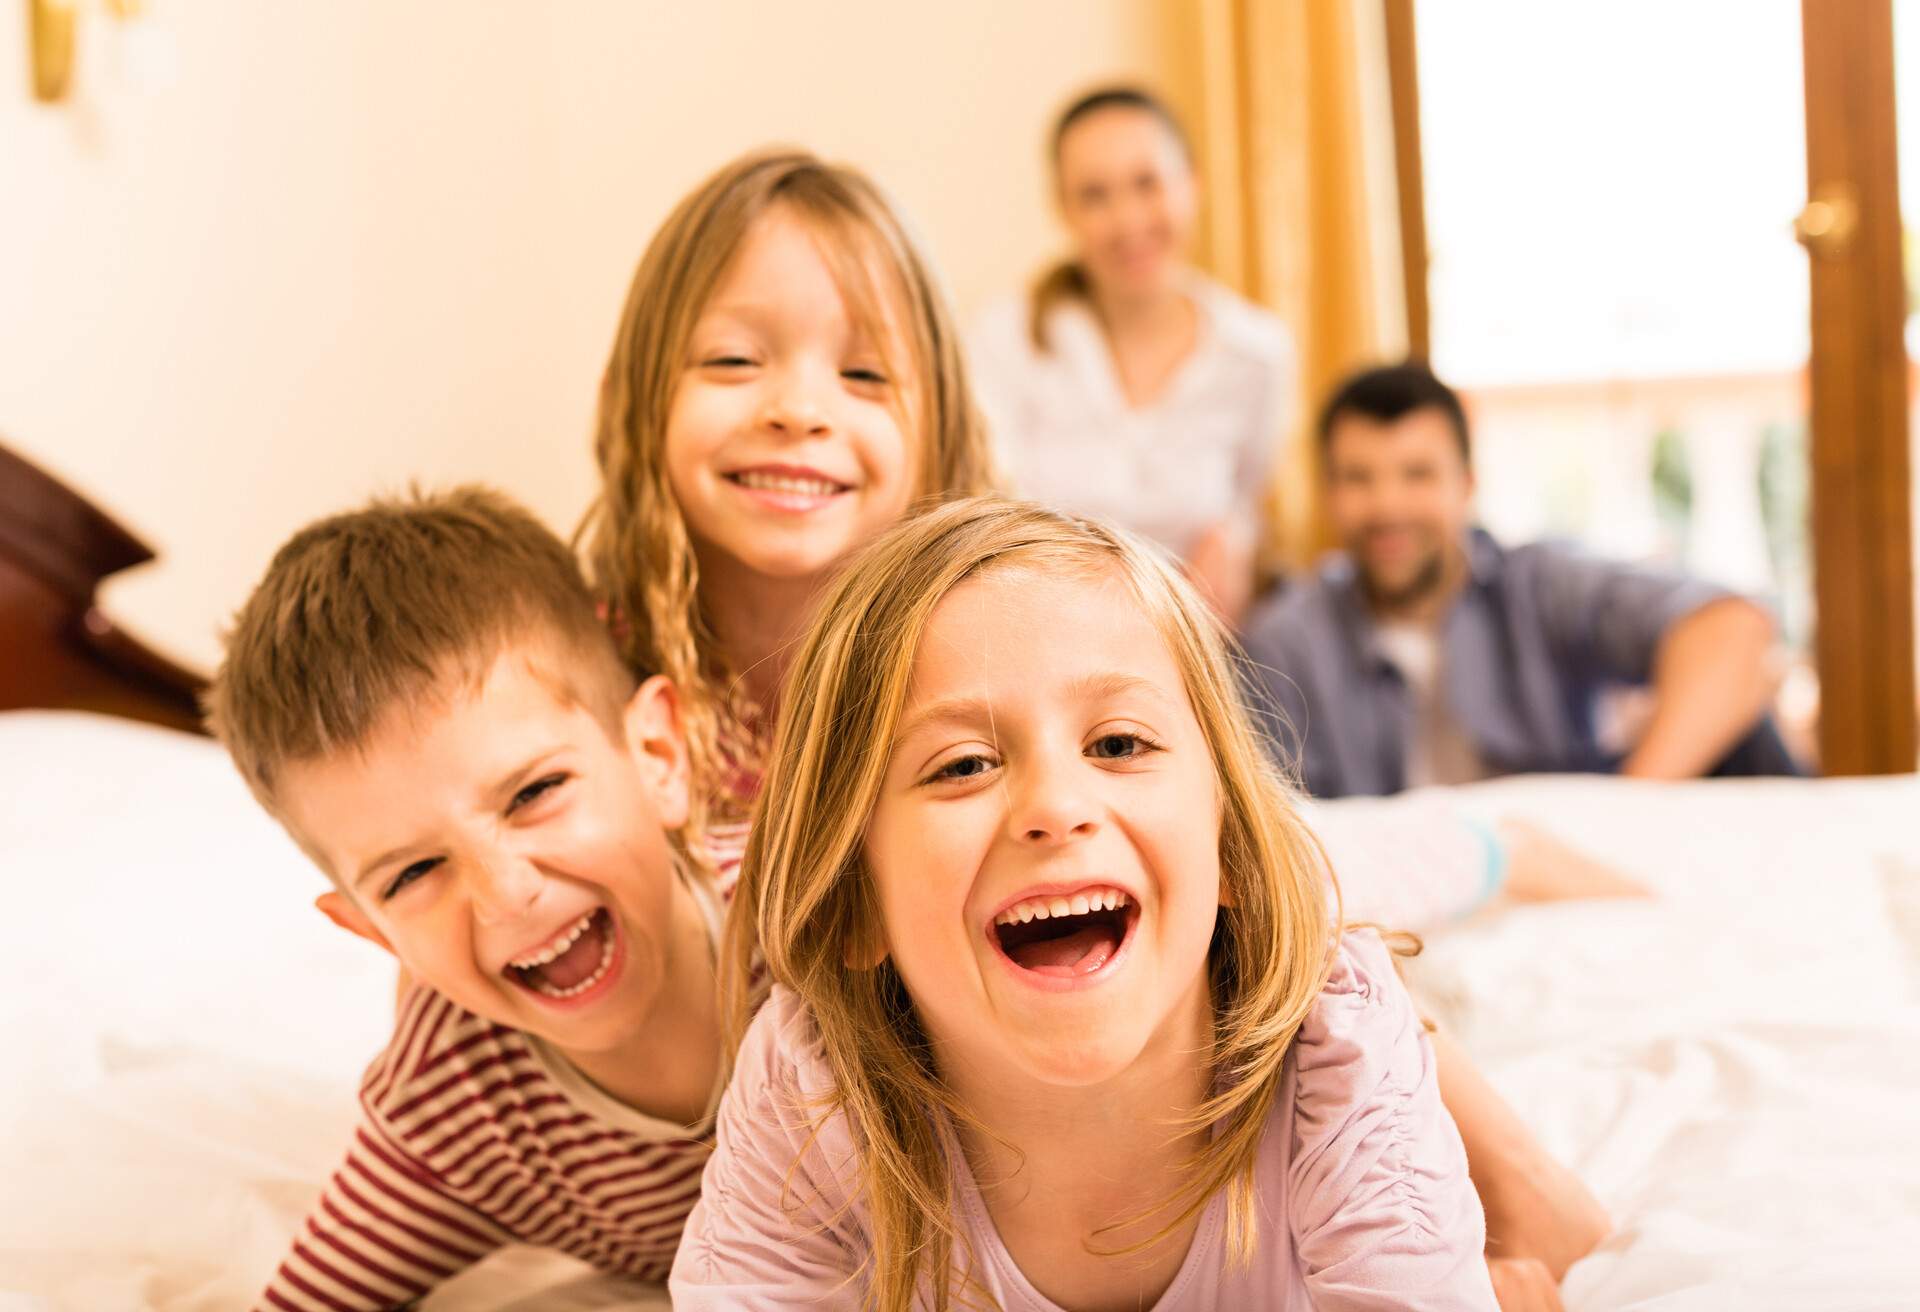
(1734, 1067)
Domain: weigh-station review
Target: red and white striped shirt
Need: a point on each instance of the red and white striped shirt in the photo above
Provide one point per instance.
(475, 1135)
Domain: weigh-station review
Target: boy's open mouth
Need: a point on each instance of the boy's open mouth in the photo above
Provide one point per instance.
(1066, 936)
(573, 961)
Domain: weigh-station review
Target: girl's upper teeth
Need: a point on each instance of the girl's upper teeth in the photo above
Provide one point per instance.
(814, 487)
(560, 943)
(1079, 904)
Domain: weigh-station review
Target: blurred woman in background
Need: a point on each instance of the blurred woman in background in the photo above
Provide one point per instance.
(1127, 384)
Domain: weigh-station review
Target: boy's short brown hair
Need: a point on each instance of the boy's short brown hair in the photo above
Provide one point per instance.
(367, 611)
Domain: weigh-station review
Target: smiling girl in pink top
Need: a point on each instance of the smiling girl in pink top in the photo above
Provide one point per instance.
(1061, 1017)
(785, 384)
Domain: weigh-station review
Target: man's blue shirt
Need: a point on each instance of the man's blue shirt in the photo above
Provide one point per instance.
(1536, 635)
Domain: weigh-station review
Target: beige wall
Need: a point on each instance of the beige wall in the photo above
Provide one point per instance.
(272, 258)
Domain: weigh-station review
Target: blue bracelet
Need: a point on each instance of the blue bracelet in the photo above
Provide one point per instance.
(1496, 871)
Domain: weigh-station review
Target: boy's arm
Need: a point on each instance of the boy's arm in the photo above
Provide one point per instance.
(1381, 1207)
(774, 1227)
(380, 1236)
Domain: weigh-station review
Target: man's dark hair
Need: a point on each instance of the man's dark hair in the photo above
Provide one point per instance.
(1391, 392)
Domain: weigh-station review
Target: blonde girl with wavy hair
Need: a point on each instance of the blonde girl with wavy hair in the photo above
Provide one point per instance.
(785, 382)
(1061, 1016)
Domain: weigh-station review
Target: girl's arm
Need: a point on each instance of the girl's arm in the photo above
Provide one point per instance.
(1380, 1204)
(1412, 863)
(1419, 863)
(773, 1228)
(1536, 1208)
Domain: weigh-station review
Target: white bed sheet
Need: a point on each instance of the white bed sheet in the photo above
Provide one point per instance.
(1734, 1067)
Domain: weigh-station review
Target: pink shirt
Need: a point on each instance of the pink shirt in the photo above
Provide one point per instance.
(1361, 1182)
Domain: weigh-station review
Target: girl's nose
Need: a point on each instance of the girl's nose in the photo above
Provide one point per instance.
(795, 409)
(1048, 804)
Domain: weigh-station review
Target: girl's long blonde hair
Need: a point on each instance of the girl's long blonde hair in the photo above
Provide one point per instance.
(807, 905)
(639, 556)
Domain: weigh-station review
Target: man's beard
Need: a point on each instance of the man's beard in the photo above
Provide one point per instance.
(1422, 586)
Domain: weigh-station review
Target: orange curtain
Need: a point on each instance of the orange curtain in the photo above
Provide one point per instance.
(1297, 148)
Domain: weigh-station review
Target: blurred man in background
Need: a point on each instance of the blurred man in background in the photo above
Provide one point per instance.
(1428, 653)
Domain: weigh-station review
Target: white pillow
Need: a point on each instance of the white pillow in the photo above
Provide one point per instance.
(153, 904)
(184, 1056)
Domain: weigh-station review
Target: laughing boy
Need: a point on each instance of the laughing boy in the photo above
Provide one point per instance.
(421, 692)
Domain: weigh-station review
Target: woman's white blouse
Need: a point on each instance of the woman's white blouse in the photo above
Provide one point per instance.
(1195, 456)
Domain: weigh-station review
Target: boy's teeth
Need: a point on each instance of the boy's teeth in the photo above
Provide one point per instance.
(813, 487)
(1042, 908)
(599, 973)
(560, 944)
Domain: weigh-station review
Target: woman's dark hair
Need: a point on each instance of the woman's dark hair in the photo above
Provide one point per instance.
(1390, 392)
(1067, 280)
(1119, 97)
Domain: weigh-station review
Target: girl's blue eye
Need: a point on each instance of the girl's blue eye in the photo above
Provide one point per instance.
(1119, 746)
(965, 767)
(417, 870)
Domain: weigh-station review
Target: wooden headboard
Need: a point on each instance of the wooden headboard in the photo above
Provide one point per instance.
(58, 650)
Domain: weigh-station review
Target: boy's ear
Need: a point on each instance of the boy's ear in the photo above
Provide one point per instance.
(346, 913)
(659, 746)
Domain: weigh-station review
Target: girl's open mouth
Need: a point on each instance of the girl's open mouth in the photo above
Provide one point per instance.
(1065, 937)
(574, 965)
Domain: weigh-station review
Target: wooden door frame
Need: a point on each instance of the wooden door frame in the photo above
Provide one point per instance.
(1403, 81)
(1858, 379)
(1858, 386)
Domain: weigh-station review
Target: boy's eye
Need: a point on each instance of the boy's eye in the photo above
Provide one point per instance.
(1120, 746)
(415, 871)
(534, 791)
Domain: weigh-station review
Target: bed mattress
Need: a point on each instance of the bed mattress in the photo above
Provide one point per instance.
(1734, 1066)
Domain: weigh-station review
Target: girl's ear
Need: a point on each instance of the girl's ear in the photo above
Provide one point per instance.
(659, 747)
(865, 951)
(346, 913)
(1226, 880)
(867, 944)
